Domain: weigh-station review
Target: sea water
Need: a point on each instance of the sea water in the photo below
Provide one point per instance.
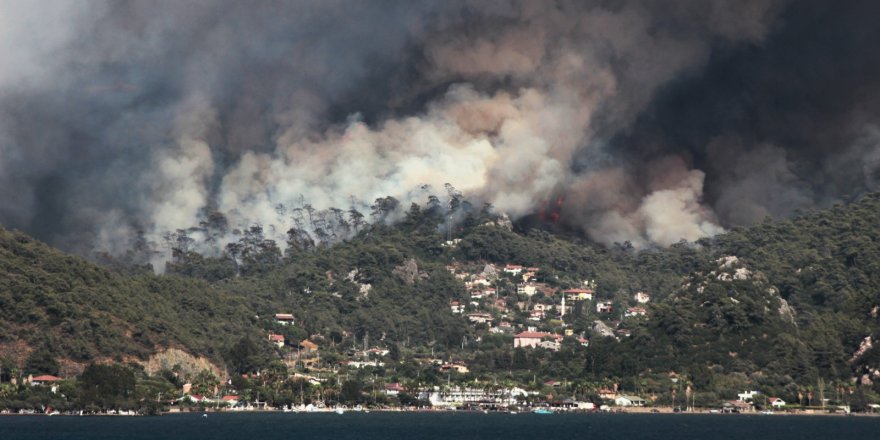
(439, 425)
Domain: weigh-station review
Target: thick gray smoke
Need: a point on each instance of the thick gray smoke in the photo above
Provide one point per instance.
(132, 119)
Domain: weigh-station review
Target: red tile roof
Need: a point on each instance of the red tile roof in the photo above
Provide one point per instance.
(46, 378)
(394, 387)
(537, 335)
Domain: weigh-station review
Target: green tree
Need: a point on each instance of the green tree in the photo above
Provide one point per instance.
(106, 386)
(351, 392)
(246, 356)
(41, 361)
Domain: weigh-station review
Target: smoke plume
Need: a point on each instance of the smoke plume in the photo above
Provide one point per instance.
(658, 121)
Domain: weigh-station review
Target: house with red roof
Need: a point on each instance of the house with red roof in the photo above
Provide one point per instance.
(635, 311)
(393, 389)
(284, 319)
(45, 379)
(276, 340)
(456, 307)
(536, 315)
(194, 398)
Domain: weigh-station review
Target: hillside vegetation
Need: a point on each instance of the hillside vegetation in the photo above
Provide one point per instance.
(783, 305)
(79, 311)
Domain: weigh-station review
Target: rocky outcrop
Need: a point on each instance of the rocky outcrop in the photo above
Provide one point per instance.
(183, 363)
(409, 272)
(786, 312)
(602, 329)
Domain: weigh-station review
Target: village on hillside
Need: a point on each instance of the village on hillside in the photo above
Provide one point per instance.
(511, 305)
(508, 300)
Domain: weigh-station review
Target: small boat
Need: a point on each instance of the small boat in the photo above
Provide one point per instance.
(339, 411)
(204, 416)
(543, 411)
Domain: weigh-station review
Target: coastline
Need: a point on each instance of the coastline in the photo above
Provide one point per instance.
(616, 411)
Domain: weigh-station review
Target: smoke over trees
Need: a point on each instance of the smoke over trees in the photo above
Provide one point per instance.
(125, 123)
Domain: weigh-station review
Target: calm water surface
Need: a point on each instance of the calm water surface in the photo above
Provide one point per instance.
(446, 426)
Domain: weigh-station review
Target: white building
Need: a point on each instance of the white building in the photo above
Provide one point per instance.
(629, 401)
(276, 340)
(747, 396)
(513, 269)
(526, 289)
(550, 345)
(479, 317)
(459, 396)
(362, 364)
(533, 339)
(635, 311)
(578, 294)
(393, 389)
(456, 307)
(477, 283)
(284, 319)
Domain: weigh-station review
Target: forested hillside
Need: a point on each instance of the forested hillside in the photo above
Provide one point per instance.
(78, 311)
(781, 305)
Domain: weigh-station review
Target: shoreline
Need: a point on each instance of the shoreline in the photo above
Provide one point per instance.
(616, 411)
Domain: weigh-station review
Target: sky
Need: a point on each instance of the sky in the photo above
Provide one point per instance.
(652, 121)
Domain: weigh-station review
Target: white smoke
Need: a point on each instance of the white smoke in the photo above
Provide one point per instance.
(184, 170)
(31, 37)
(676, 214)
(234, 108)
(511, 147)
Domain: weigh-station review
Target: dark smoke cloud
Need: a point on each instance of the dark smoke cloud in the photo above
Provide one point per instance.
(658, 120)
(787, 124)
(103, 107)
